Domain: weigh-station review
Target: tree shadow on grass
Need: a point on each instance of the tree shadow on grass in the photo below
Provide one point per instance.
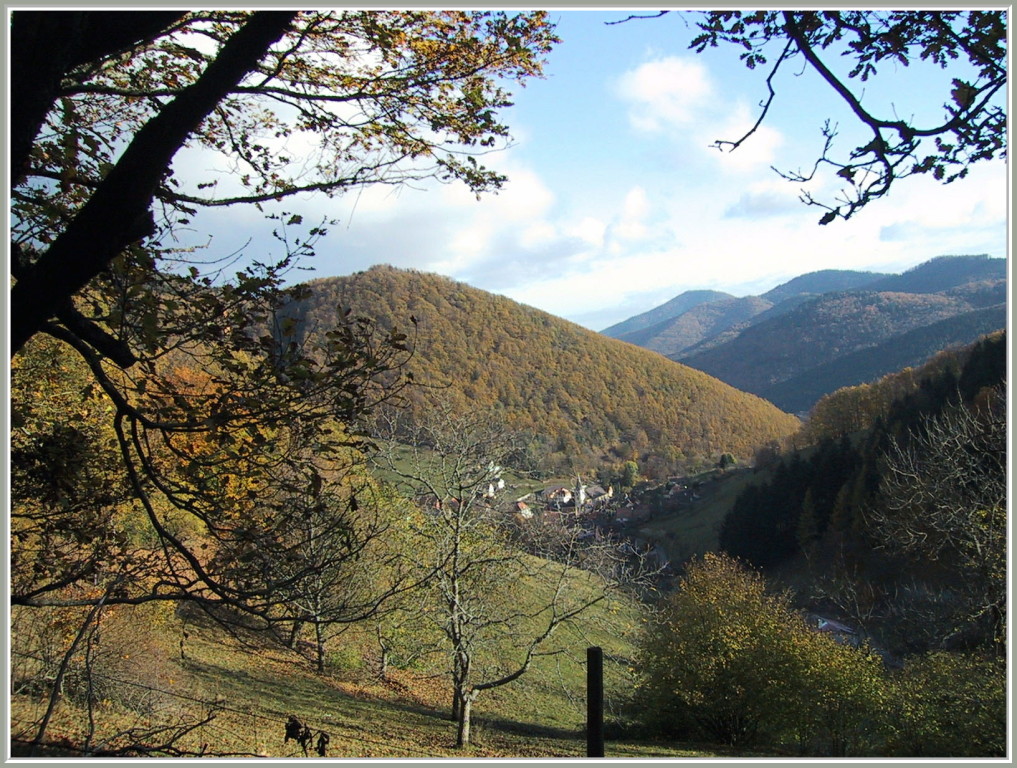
(284, 692)
(517, 728)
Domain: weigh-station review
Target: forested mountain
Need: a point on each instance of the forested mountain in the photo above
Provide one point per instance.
(834, 502)
(823, 281)
(826, 329)
(800, 392)
(705, 321)
(830, 328)
(943, 273)
(580, 395)
(681, 303)
(697, 320)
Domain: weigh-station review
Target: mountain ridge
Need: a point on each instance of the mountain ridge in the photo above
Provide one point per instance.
(803, 331)
(681, 303)
(697, 324)
(822, 281)
(581, 396)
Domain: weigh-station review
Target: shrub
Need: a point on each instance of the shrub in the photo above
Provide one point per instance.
(949, 705)
(115, 664)
(841, 708)
(344, 659)
(727, 661)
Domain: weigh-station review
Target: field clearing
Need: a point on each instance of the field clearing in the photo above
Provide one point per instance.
(254, 687)
(694, 529)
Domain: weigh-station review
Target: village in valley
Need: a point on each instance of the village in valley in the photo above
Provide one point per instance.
(600, 511)
(632, 519)
(582, 437)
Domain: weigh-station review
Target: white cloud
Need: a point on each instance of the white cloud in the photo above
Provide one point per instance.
(631, 223)
(676, 99)
(762, 199)
(758, 150)
(515, 214)
(664, 93)
(536, 235)
(589, 230)
(748, 244)
(980, 200)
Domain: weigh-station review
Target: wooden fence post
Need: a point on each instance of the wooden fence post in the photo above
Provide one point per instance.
(594, 702)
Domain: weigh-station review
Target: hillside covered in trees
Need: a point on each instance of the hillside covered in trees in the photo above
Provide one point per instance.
(711, 321)
(818, 333)
(582, 397)
(830, 329)
(896, 505)
(676, 307)
(698, 320)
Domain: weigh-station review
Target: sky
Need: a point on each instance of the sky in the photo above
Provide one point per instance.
(617, 202)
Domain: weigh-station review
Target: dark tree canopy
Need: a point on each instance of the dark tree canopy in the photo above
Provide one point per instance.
(374, 96)
(213, 425)
(974, 120)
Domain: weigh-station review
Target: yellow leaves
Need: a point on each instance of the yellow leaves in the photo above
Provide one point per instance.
(726, 648)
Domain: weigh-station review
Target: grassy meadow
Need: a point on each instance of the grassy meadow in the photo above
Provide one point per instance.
(160, 667)
(693, 529)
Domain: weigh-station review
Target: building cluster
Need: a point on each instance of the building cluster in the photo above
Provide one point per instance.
(579, 500)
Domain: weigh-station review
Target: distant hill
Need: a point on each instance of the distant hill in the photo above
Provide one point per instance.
(800, 392)
(943, 273)
(698, 324)
(823, 281)
(984, 293)
(676, 306)
(825, 329)
(776, 310)
(698, 320)
(820, 331)
(581, 396)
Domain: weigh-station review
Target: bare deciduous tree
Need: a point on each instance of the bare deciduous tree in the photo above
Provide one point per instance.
(496, 607)
(945, 497)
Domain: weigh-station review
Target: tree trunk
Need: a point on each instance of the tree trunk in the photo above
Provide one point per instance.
(383, 650)
(460, 685)
(466, 709)
(457, 703)
(319, 649)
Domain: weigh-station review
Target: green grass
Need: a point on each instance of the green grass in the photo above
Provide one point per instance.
(259, 685)
(694, 530)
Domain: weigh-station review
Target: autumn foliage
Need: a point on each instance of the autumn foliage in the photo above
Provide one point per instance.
(728, 660)
(582, 398)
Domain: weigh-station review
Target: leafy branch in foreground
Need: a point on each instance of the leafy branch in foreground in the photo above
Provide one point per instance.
(973, 126)
(199, 386)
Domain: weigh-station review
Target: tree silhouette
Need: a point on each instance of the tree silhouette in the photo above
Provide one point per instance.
(847, 49)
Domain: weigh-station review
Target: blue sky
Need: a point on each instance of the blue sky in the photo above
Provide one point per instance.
(616, 202)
